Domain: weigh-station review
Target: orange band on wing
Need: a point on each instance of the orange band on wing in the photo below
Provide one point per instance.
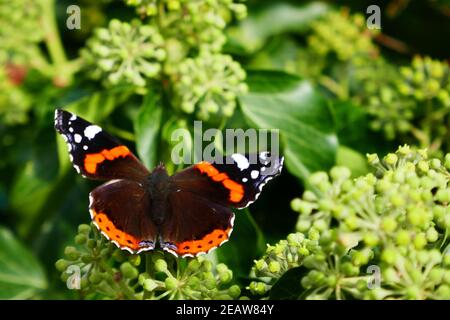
(107, 226)
(211, 240)
(236, 189)
(92, 160)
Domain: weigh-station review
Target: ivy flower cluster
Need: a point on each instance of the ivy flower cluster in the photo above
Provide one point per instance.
(426, 79)
(20, 29)
(346, 36)
(415, 102)
(127, 53)
(107, 272)
(394, 222)
(278, 259)
(211, 82)
(14, 102)
(411, 102)
(178, 43)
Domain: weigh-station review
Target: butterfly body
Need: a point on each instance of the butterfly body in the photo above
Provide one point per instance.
(186, 214)
(158, 190)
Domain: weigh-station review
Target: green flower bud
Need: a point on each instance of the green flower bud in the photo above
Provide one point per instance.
(258, 288)
(403, 238)
(274, 267)
(432, 235)
(389, 256)
(436, 275)
(71, 253)
(128, 271)
(390, 275)
(234, 291)
(349, 270)
(84, 229)
(225, 277)
(443, 292)
(303, 225)
(446, 277)
(142, 277)
(391, 159)
(135, 260)
(95, 278)
(171, 283)
(87, 258)
(388, 224)
(443, 195)
(150, 284)
(91, 243)
(160, 265)
(420, 241)
(371, 239)
(61, 265)
(413, 293)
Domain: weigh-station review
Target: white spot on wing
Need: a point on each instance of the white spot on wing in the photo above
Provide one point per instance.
(254, 174)
(73, 117)
(85, 147)
(76, 168)
(263, 155)
(241, 160)
(244, 179)
(91, 201)
(77, 138)
(91, 131)
(71, 129)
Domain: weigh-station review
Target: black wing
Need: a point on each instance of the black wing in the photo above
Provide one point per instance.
(96, 154)
(120, 210)
(237, 181)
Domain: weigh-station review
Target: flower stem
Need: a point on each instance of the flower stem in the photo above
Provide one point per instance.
(54, 44)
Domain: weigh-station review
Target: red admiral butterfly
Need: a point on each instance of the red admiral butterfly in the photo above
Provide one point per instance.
(187, 213)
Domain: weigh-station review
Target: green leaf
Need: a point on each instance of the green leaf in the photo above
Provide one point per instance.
(251, 34)
(246, 243)
(277, 100)
(353, 160)
(146, 127)
(21, 275)
(288, 287)
(352, 128)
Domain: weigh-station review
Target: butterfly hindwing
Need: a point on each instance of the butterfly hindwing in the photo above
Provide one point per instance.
(94, 153)
(194, 225)
(120, 210)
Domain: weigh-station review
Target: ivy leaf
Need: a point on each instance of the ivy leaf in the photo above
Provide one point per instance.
(146, 126)
(251, 34)
(21, 275)
(353, 129)
(288, 287)
(353, 160)
(277, 100)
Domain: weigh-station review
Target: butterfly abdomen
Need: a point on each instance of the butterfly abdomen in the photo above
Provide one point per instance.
(157, 184)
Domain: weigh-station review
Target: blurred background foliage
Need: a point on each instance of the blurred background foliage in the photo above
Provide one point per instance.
(335, 89)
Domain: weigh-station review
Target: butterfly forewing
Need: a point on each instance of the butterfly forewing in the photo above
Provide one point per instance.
(94, 153)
